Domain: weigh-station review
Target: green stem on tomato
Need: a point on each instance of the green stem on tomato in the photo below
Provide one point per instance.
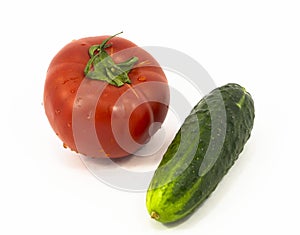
(102, 67)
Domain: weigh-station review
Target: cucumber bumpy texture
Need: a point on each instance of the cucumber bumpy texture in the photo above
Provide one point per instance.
(201, 153)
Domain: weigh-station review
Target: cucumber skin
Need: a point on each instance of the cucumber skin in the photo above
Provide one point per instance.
(177, 187)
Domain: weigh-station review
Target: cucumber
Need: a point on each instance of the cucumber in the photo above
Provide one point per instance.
(203, 150)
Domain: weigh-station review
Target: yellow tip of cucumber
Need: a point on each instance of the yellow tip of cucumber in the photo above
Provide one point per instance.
(154, 215)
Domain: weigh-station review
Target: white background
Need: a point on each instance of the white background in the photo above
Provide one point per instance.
(46, 189)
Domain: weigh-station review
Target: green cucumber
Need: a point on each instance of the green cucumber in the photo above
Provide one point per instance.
(203, 150)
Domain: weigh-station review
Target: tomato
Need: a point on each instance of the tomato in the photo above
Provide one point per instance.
(105, 96)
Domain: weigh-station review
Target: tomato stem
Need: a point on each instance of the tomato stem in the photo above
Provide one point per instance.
(102, 67)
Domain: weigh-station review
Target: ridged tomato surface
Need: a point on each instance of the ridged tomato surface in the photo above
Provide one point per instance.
(98, 119)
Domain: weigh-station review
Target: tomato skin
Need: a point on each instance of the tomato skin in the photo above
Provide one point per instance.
(95, 118)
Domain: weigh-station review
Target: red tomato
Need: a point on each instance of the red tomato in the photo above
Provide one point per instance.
(96, 118)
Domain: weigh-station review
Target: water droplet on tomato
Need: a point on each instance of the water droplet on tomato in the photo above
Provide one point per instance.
(142, 78)
(72, 91)
(89, 115)
(83, 43)
(69, 124)
(57, 111)
(78, 102)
